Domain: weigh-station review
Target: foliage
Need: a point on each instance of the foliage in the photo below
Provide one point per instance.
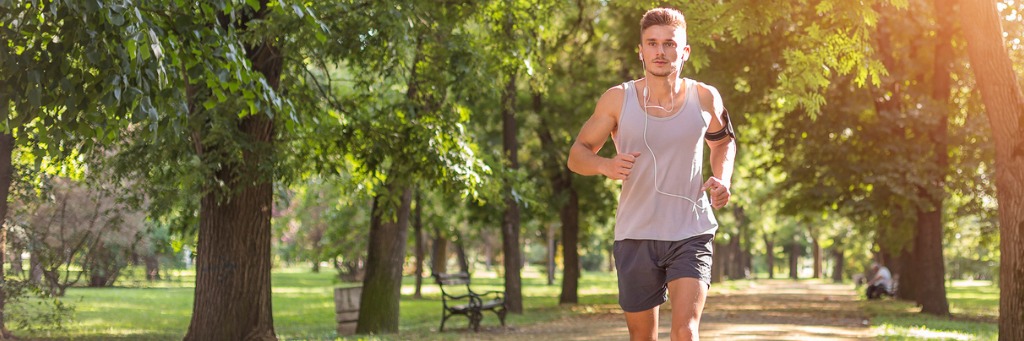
(868, 155)
(410, 90)
(77, 225)
(35, 309)
(323, 220)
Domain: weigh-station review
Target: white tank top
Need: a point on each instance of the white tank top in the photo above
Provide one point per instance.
(677, 142)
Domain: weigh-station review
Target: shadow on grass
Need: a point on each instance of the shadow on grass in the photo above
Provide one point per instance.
(902, 320)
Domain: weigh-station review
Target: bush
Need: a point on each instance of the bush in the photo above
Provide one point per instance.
(30, 307)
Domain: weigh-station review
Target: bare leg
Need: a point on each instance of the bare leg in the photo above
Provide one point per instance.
(643, 326)
(687, 296)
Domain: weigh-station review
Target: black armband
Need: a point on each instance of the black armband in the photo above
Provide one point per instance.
(727, 130)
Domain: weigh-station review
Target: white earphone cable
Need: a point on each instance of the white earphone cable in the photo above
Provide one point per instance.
(651, 150)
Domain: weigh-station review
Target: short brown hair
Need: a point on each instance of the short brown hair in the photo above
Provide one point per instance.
(663, 17)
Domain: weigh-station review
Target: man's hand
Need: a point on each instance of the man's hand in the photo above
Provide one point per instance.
(719, 192)
(619, 167)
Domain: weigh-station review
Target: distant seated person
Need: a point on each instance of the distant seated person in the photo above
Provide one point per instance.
(881, 283)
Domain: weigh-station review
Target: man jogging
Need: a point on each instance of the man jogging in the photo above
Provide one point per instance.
(664, 225)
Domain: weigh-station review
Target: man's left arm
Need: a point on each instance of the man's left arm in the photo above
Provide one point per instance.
(721, 141)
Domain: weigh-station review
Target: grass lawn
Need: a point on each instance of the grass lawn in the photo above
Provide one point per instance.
(303, 304)
(304, 309)
(973, 304)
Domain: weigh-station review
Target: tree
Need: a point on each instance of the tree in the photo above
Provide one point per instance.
(898, 201)
(232, 298)
(62, 79)
(420, 243)
(928, 237)
(78, 225)
(1004, 104)
(504, 25)
(557, 112)
(117, 59)
(410, 129)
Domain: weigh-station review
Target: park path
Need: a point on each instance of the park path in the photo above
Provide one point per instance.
(762, 310)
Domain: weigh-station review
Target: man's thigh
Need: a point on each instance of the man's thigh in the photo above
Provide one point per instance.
(687, 296)
(643, 325)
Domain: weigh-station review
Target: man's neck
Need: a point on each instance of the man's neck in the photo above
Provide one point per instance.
(662, 86)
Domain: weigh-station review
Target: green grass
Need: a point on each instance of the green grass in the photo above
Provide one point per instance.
(303, 309)
(974, 306)
(303, 304)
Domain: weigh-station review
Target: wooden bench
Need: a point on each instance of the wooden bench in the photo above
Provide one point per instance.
(459, 299)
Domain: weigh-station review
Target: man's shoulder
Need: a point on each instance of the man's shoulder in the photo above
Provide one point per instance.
(613, 97)
(705, 89)
(616, 91)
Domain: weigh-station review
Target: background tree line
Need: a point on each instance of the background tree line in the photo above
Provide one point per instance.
(366, 135)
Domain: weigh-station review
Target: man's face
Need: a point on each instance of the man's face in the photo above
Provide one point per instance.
(664, 49)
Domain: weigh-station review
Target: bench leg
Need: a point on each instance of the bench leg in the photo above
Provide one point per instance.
(501, 316)
(474, 320)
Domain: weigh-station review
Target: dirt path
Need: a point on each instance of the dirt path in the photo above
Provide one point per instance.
(785, 310)
(766, 310)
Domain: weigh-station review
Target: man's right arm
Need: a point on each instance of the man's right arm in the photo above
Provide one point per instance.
(583, 158)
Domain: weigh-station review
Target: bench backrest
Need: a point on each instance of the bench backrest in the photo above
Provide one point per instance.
(455, 284)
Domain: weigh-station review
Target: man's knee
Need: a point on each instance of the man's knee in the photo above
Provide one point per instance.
(686, 331)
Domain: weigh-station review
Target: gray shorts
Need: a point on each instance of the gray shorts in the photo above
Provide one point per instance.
(646, 266)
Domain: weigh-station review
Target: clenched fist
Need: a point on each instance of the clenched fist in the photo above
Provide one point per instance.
(620, 166)
(719, 193)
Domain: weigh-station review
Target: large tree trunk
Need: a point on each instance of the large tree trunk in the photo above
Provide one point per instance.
(551, 246)
(816, 252)
(460, 253)
(887, 100)
(735, 259)
(1004, 105)
(838, 260)
(6, 175)
(35, 268)
(561, 180)
(611, 258)
(794, 259)
(931, 294)
(909, 275)
(102, 265)
(439, 254)
(510, 222)
(743, 259)
(490, 256)
(232, 295)
(417, 225)
(16, 262)
(4, 333)
(769, 255)
(718, 263)
(382, 287)
(570, 239)
(812, 231)
(929, 274)
(152, 267)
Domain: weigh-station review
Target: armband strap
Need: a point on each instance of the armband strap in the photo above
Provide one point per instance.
(727, 130)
